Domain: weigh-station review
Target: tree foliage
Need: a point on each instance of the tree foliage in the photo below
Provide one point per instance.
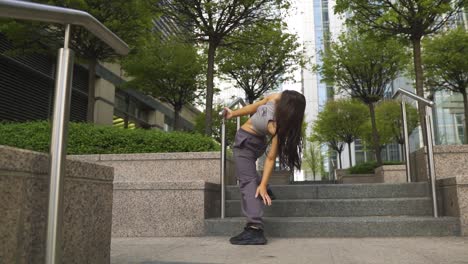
(409, 19)
(231, 125)
(168, 70)
(212, 21)
(130, 20)
(446, 64)
(344, 118)
(363, 66)
(260, 58)
(389, 123)
(325, 133)
(313, 159)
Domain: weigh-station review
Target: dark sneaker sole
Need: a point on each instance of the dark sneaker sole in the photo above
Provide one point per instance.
(243, 243)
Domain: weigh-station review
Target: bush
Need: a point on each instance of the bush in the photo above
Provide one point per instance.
(369, 167)
(92, 139)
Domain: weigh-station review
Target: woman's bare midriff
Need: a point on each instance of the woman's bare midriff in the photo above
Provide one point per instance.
(247, 126)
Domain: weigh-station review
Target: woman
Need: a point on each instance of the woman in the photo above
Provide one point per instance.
(280, 117)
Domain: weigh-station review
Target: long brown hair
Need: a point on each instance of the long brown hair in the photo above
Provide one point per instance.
(289, 115)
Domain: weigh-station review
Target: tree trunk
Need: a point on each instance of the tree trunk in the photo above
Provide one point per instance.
(465, 104)
(209, 87)
(91, 90)
(339, 160)
(419, 85)
(375, 135)
(403, 152)
(350, 157)
(177, 125)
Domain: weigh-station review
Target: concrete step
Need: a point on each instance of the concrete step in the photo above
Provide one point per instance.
(341, 226)
(341, 191)
(340, 207)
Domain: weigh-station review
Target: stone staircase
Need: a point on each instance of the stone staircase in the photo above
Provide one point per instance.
(341, 210)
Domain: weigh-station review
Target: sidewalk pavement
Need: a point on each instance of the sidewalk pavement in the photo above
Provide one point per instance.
(217, 250)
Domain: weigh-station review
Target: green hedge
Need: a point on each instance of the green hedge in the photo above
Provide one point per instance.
(91, 139)
(369, 167)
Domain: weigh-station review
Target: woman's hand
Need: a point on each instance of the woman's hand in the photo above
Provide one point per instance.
(227, 113)
(262, 191)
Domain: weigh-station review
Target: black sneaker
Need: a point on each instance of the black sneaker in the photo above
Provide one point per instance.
(250, 236)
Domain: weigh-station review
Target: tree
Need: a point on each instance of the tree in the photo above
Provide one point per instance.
(410, 19)
(389, 123)
(447, 66)
(129, 20)
(313, 158)
(214, 20)
(260, 59)
(344, 118)
(324, 132)
(363, 67)
(231, 125)
(168, 70)
(389, 118)
(350, 115)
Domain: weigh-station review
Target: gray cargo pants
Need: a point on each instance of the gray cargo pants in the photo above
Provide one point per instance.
(247, 149)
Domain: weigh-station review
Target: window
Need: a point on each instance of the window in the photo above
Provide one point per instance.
(459, 120)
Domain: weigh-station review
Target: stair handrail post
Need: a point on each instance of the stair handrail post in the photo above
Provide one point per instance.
(237, 101)
(430, 142)
(406, 141)
(430, 159)
(61, 113)
(223, 167)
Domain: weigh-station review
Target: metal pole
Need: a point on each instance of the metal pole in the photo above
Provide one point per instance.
(430, 158)
(238, 122)
(58, 149)
(405, 137)
(223, 166)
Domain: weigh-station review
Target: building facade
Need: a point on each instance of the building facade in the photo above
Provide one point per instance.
(27, 94)
(316, 25)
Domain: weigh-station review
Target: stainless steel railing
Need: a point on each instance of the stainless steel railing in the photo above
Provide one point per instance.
(430, 141)
(223, 153)
(63, 80)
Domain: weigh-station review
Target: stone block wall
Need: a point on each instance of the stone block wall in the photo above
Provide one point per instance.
(163, 194)
(162, 167)
(162, 209)
(345, 178)
(24, 194)
(453, 199)
(391, 173)
(449, 161)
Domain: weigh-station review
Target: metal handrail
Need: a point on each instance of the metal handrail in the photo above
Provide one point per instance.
(61, 116)
(430, 139)
(66, 16)
(401, 91)
(236, 102)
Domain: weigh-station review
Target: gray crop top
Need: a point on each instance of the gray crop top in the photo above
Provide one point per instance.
(260, 119)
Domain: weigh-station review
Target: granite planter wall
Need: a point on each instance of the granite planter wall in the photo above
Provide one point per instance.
(453, 199)
(343, 177)
(449, 161)
(161, 209)
(391, 173)
(163, 194)
(162, 167)
(24, 193)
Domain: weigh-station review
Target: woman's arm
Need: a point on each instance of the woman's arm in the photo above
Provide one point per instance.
(248, 109)
(267, 170)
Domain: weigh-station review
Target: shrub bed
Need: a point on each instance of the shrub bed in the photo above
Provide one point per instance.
(369, 167)
(86, 138)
